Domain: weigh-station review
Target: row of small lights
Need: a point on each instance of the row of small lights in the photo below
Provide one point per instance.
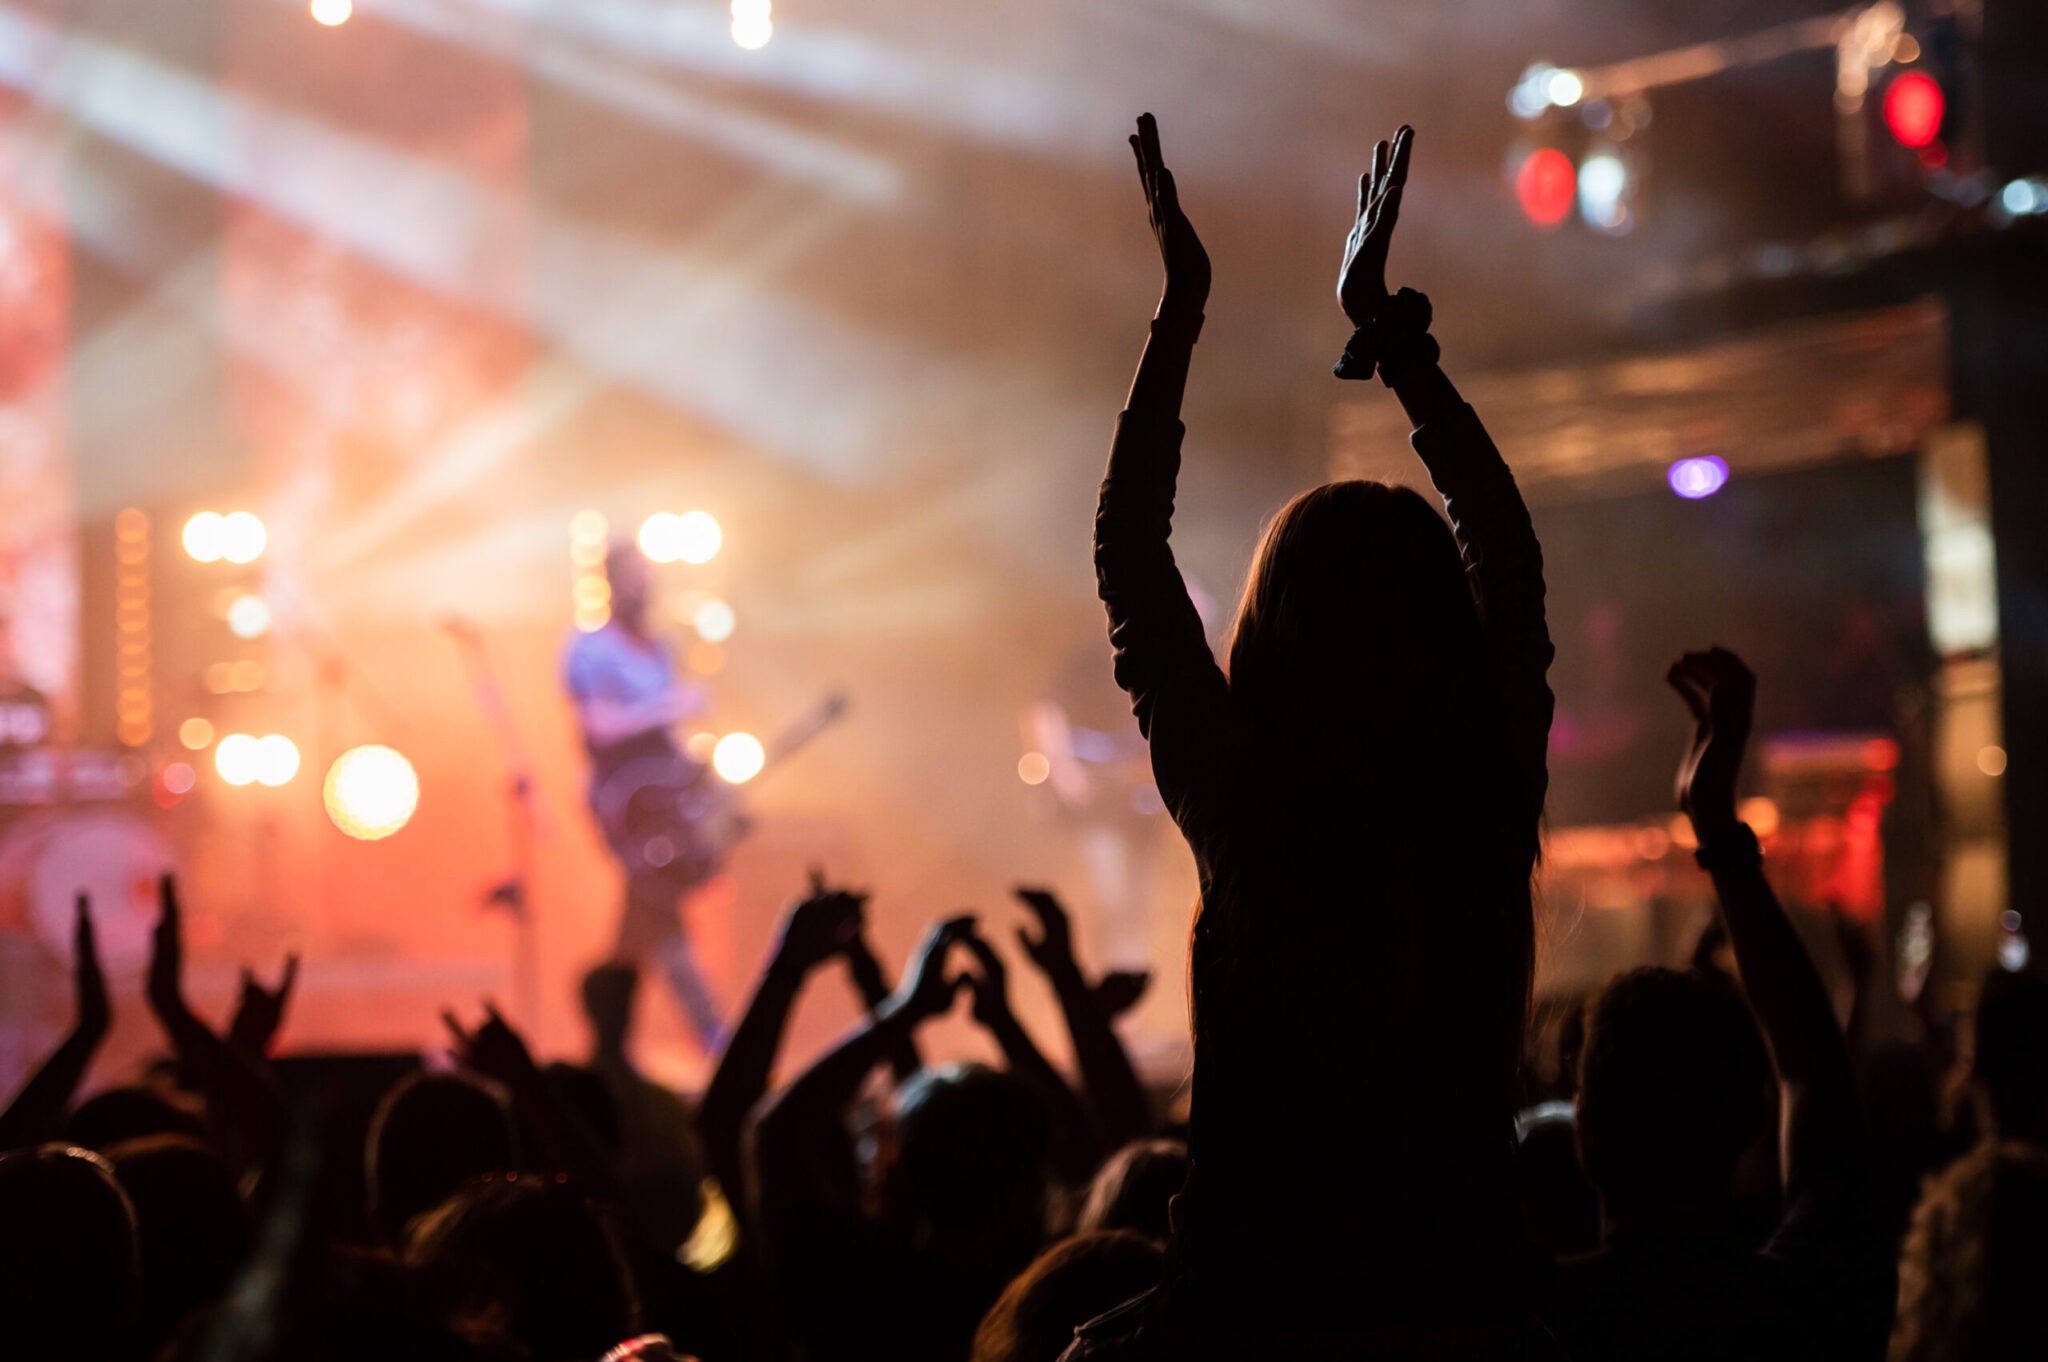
(753, 21)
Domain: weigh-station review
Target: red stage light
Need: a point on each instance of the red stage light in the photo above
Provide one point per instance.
(1913, 108)
(1546, 186)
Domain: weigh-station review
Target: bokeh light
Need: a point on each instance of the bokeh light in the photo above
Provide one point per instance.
(698, 537)
(1913, 109)
(332, 13)
(1698, 477)
(1991, 760)
(249, 617)
(243, 537)
(371, 792)
(738, 758)
(205, 537)
(1033, 768)
(196, 734)
(660, 537)
(1546, 183)
(238, 757)
(179, 778)
(714, 621)
(277, 759)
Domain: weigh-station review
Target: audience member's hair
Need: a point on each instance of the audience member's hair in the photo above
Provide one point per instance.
(1975, 1261)
(70, 1275)
(586, 1096)
(1673, 1085)
(432, 1133)
(192, 1228)
(130, 1113)
(1069, 1284)
(531, 1253)
(1134, 1187)
(971, 1149)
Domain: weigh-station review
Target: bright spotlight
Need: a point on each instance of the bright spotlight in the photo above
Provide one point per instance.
(1699, 477)
(1603, 186)
(661, 536)
(206, 537)
(242, 538)
(1564, 88)
(238, 758)
(698, 537)
(752, 31)
(371, 792)
(332, 13)
(196, 734)
(738, 758)
(249, 617)
(1545, 184)
(277, 759)
(714, 621)
(1033, 768)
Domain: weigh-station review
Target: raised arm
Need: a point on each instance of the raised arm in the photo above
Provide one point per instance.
(1821, 1124)
(816, 929)
(1163, 660)
(1075, 1148)
(1502, 557)
(1116, 1099)
(38, 1110)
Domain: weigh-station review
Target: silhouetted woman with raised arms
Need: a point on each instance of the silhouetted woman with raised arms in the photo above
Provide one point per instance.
(1361, 788)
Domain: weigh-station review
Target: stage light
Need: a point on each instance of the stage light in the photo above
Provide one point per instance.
(195, 734)
(660, 537)
(714, 621)
(249, 617)
(179, 778)
(698, 537)
(1698, 477)
(238, 758)
(1564, 88)
(332, 13)
(371, 792)
(1033, 768)
(277, 759)
(2022, 198)
(1761, 813)
(1545, 185)
(1603, 192)
(700, 746)
(1531, 96)
(752, 24)
(1991, 760)
(243, 538)
(1913, 108)
(206, 536)
(738, 758)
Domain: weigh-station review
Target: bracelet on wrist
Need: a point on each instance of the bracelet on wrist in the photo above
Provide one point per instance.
(1735, 847)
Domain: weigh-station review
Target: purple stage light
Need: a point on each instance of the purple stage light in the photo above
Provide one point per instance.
(1698, 477)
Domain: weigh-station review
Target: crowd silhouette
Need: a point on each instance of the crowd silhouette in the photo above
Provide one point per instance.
(1370, 1166)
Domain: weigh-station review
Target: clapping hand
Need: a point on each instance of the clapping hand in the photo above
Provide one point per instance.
(1362, 284)
(927, 991)
(1187, 263)
(493, 1049)
(823, 925)
(95, 1014)
(260, 1011)
(1721, 693)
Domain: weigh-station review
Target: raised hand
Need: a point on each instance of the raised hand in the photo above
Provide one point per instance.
(1052, 950)
(1721, 693)
(1187, 263)
(166, 984)
(95, 1013)
(1362, 284)
(1119, 991)
(989, 980)
(823, 925)
(259, 1011)
(494, 1049)
(927, 990)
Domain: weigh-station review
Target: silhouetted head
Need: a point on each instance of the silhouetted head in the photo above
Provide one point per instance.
(1971, 1271)
(1132, 1189)
(431, 1134)
(531, 1253)
(970, 1168)
(2010, 1056)
(586, 1096)
(1673, 1087)
(194, 1232)
(1357, 623)
(609, 991)
(108, 1118)
(1069, 1284)
(70, 1277)
(631, 582)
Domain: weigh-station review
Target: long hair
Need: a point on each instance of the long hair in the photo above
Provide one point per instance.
(1358, 663)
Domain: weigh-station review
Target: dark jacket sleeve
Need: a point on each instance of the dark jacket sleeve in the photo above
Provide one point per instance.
(1505, 566)
(1163, 660)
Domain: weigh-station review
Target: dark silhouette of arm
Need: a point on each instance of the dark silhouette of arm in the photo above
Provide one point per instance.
(1116, 1099)
(873, 987)
(37, 1112)
(1076, 1150)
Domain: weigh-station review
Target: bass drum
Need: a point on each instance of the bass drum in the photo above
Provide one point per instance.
(113, 858)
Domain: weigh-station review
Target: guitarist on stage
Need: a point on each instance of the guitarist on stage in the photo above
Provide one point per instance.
(628, 700)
